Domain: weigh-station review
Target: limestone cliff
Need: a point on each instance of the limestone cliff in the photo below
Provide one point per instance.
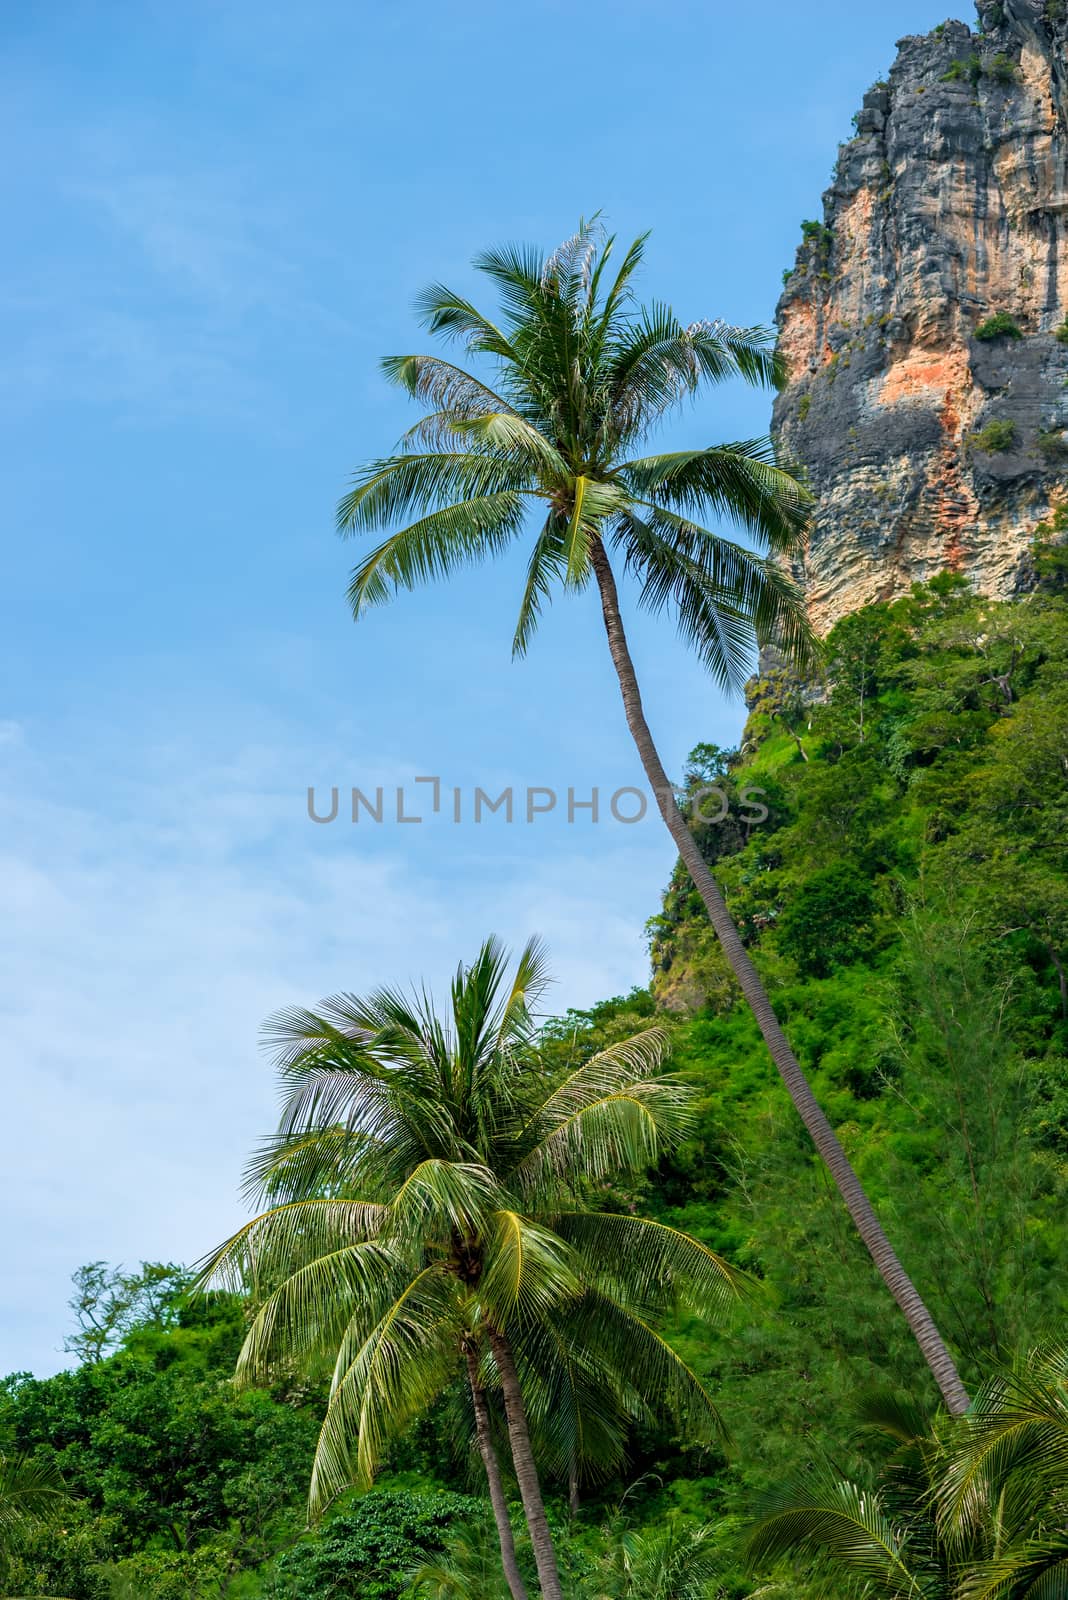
(925, 323)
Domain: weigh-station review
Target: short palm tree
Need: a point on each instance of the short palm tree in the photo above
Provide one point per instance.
(455, 1228)
(975, 1509)
(547, 442)
(663, 1562)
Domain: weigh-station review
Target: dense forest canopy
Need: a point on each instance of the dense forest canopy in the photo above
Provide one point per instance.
(906, 900)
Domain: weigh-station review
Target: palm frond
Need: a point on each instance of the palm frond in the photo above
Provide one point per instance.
(383, 1378)
(626, 1061)
(724, 351)
(649, 1376)
(531, 979)
(625, 1131)
(457, 535)
(548, 563)
(528, 1272)
(1016, 1431)
(269, 1247)
(442, 311)
(724, 598)
(440, 383)
(439, 1198)
(31, 1492)
(744, 482)
(303, 1320)
(428, 481)
(845, 1525)
(652, 1265)
(1035, 1569)
(580, 1421)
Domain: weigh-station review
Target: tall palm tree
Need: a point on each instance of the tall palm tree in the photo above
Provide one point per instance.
(582, 375)
(976, 1509)
(455, 1226)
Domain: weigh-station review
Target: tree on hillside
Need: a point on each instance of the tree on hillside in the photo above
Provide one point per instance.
(583, 374)
(108, 1302)
(457, 1236)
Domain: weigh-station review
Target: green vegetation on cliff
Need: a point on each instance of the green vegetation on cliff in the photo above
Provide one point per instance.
(906, 899)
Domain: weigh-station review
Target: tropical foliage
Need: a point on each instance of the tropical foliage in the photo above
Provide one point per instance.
(977, 1509)
(935, 1033)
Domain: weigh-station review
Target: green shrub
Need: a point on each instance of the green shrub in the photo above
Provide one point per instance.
(827, 923)
(998, 435)
(818, 236)
(1002, 69)
(1000, 326)
(1061, 333)
(1053, 443)
(803, 407)
(370, 1548)
(971, 67)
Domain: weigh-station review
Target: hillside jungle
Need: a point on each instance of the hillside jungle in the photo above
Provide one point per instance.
(906, 901)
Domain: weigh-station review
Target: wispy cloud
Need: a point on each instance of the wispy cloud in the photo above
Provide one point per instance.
(155, 287)
(154, 912)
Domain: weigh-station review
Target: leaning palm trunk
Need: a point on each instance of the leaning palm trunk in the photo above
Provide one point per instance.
(823, 1136)
(493, 1477)
(582, 376)
(526, 1470)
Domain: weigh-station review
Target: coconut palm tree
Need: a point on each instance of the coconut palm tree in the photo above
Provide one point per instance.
(973, 1509)
(430, 1183)
(579, 377)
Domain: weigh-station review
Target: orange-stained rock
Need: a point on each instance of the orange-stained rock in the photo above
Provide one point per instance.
(949, 205)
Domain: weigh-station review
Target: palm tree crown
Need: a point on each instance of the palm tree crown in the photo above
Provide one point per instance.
(975, 1509)
(581, 376)
(431, 1183)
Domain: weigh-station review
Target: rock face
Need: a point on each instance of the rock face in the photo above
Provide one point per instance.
(931, 440)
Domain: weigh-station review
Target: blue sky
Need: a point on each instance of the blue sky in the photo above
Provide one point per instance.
(216, 217)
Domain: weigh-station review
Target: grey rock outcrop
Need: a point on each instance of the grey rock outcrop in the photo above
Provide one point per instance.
(928, 445)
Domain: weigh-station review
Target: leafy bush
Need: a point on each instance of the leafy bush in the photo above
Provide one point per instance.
(371, 1548)
(1061, 333)
(827, 923)
(971, 68)
(1053, 443)
(816, 234)
(998, 435)
(1000, 326)
(1002, 69)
